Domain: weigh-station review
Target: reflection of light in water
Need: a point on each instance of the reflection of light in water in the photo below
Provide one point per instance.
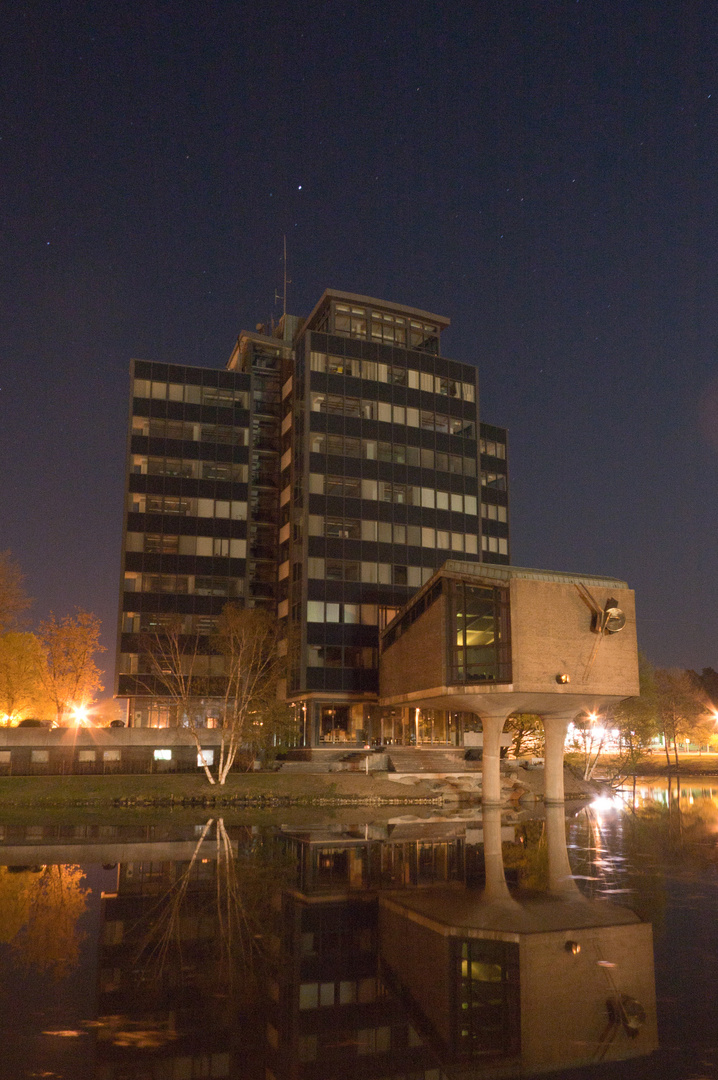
(65, 1034)
(604, 803)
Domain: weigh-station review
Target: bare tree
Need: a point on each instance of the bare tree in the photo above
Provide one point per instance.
(70, 675)
(247, 639)
(14, 601)
(177, 670)
(237, 667)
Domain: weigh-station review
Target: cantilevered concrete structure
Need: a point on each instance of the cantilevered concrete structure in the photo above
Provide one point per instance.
(495, 640)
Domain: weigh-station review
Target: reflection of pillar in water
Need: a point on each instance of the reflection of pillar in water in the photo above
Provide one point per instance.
(560, 879)
(496, 887)
(555, 726)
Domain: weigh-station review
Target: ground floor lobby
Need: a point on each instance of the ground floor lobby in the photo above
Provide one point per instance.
(332, 723)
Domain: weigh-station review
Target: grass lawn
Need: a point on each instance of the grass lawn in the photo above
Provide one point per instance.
(179, 788)
(654, 764)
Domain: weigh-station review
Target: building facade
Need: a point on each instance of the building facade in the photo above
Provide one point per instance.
(326, 474)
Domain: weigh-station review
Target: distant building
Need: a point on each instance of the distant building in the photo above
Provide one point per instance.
(335, 465)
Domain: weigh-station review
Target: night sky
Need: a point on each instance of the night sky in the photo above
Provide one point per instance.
(544, 173)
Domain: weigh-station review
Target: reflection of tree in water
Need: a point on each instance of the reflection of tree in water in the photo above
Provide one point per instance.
(221, 897)
(528, 857)
(39, 910)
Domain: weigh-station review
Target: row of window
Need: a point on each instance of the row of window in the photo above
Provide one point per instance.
(495, 481)
(495, 449)
(184, 583)
(155, 622)
(385, 327)
(398, 453)
(349, 614)
(178, 504)
(205, 546)
(386, 532)
(393, 374)
(89, 757)
(494, 513)
(161, 428)
(314, 995)
(370, 572)
(341, 656)
(198, 665)
(367, 409)
(217, 396)
(497, 545)
(232, 471)
(352, 487)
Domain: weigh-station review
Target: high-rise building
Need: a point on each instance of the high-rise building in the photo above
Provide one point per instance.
(326, 474)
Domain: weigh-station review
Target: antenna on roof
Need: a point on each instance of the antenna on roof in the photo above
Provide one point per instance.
(286, 281)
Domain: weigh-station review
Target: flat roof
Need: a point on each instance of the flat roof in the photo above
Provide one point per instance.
(503, 573)
(371, 301)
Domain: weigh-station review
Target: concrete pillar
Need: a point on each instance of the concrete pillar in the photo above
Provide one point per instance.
(555, 726)
(496, 887)
(491, 757)
(560, 879)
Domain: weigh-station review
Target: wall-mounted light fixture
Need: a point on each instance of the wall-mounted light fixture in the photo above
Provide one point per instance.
(563, 678)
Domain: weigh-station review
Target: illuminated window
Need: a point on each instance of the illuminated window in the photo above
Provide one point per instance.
(162, 755)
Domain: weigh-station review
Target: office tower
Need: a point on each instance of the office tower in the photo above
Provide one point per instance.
(326, 474)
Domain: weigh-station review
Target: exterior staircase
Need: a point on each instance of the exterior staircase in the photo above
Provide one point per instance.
(431, 760)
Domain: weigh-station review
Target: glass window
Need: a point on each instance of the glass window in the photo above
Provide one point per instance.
(39, 757)
(85, 756)
(309, 995)
(368, 530)
(205, 757)
(428, 537)
(111, 755)
(162, 755)
(315, 611)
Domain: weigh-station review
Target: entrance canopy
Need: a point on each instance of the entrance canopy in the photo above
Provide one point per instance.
(496, 639)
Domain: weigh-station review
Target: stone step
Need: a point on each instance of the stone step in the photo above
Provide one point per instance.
(306, 766)
(433, 761)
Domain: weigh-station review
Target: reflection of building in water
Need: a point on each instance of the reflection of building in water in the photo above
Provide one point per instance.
(329, 1014)
(386, 964)
(543, 984)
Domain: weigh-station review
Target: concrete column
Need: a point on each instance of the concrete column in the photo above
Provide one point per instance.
(496, 887)
(560, 879)
(490, 759)
(554, 726)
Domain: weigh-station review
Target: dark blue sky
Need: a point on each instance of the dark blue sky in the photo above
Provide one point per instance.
(544, 173)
